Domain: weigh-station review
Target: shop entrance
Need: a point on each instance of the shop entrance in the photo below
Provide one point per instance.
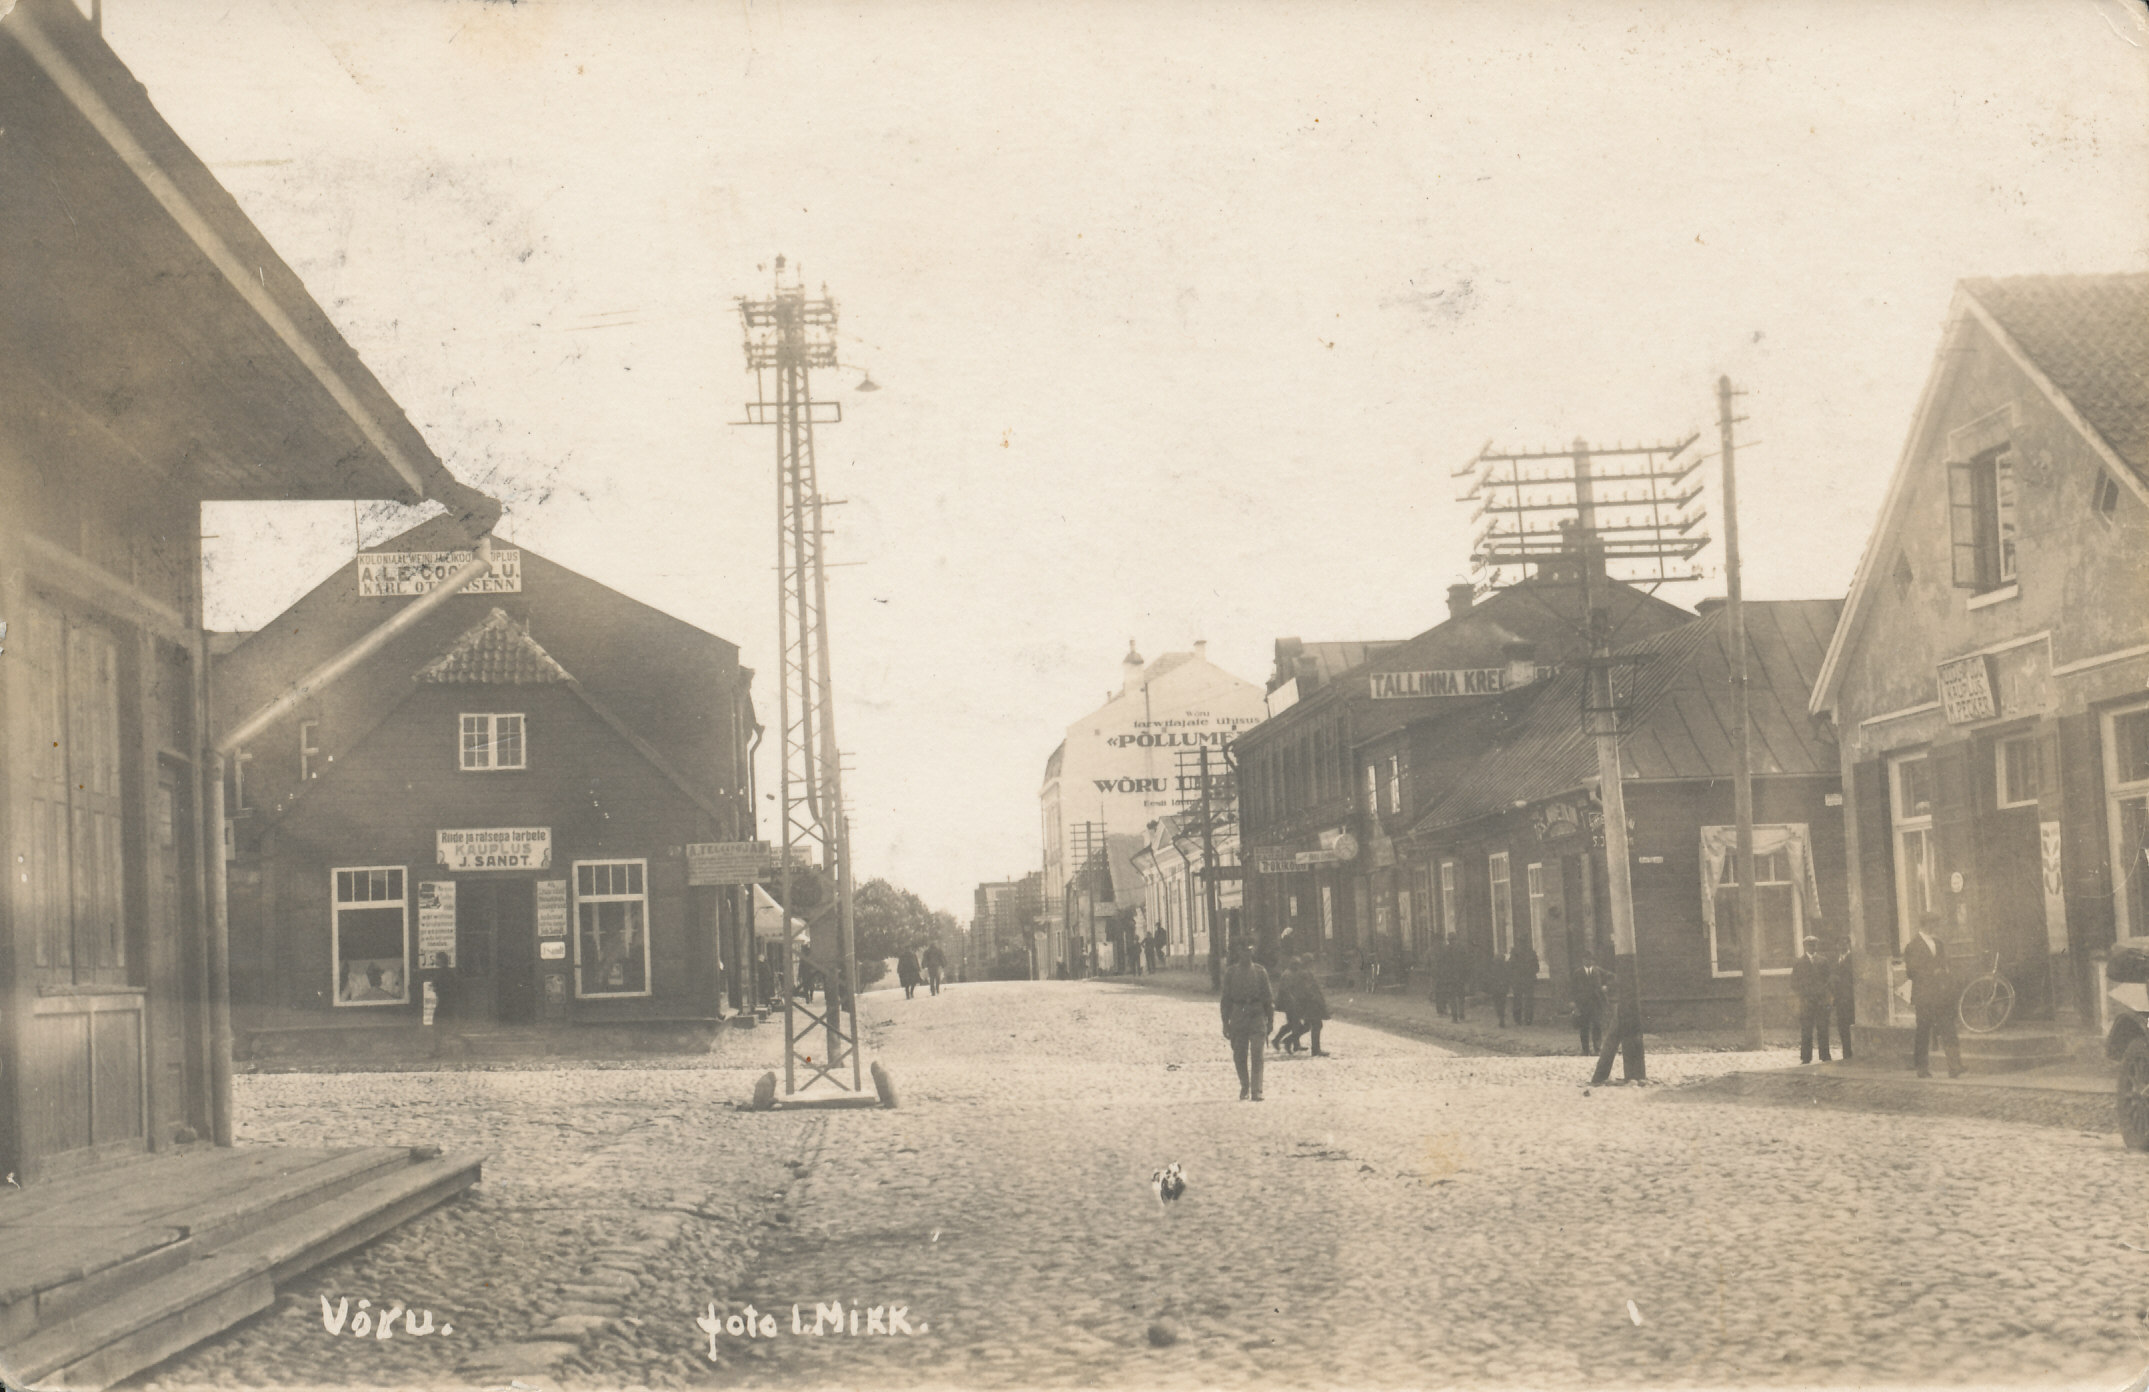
(2012, 869)
(496, 950)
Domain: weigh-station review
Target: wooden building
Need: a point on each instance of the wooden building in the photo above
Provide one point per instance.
(497, 807)
(1511, 843)
(1987, 679)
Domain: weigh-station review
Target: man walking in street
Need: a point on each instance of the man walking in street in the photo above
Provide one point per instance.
(1522, 980)
(1249, 1008)
(936, 966)
(1587, 985)
(1492, 972)
(1842, 978)
(1809, 981)
(1933, 995)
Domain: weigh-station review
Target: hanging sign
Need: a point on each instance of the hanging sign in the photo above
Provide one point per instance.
(1966, 689)
(496, 848)
(552, 909)
(728, 862)
(436, 924)
(386, 574)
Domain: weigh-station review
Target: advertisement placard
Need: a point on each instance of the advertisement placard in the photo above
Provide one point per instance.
(495, 848)
(552, 908)
(436, 924)
(387, 574)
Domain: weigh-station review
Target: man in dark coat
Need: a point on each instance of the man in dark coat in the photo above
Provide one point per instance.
(1522, 980)
(1587, 984)
(1934, 995)
(1809, 981)
(1492, 974)
(1249, 1009)
(906, 973)
(935, 963)
(1842, 978)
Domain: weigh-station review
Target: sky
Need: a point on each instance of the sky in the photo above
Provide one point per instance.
(1183, 313)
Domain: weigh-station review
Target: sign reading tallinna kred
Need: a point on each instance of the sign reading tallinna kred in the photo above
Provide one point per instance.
(1474, 681)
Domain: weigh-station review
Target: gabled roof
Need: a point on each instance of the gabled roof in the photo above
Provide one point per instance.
(2083, 341)
(1683, 712)
(498, 652)
(1324, 661)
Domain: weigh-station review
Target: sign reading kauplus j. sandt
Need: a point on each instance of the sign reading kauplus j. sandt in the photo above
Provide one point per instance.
(495, 848)
(385, 574)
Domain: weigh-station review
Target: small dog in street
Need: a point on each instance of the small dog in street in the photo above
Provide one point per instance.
(1168, 1183)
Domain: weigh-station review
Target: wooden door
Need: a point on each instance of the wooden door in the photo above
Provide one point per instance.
(476, 929)
(515, 951)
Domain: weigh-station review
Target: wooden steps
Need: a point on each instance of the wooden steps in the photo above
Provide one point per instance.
(210, 1258)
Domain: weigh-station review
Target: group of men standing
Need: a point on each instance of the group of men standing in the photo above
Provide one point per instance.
(1823, 987)
(1458, 969)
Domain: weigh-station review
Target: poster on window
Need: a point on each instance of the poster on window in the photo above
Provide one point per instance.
(436, 924)
(552, 908)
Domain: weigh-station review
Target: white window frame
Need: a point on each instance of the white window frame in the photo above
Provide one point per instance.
(1449, 873)
(642, 898)
(338, 905)
(488, 749)
(2001, 786)
(309, 749)
(1719, 921)
(1534, 879)
(1904, 825)
(1501, 878)
(1372, 781)
(2117, 793)
(1395, 783)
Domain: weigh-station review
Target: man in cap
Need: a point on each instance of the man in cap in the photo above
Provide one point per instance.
(1809, 979)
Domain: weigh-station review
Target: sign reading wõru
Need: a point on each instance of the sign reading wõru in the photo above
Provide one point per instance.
(495, 848)
(1474, 681)
(383, 574)
(728, 862)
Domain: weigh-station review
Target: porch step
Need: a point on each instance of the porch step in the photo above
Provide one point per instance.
(99, 1344)
(2001, 1051)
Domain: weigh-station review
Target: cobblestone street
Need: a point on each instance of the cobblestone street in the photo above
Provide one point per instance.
(1393, 1215)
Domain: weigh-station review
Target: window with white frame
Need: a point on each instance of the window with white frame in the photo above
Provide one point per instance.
(1534, 876)
(1448, 925)
(1395, 783)
(611, 928)
(369, 935)
(1372, 772)
(1503, 906)
(2126, 788)
(1910, 810)
(492, 742)
(1981, 521)
(309, 750)
(2017, 770)
(1778, 907)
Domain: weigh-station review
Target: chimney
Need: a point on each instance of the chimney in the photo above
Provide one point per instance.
(1520, 660)
(1201, 650)
(1130, 669)
(1460, 598)
(1710, 605)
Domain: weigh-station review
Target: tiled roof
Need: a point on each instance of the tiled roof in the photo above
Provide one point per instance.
(1683, 713)
(2090, 335)
(498, 652)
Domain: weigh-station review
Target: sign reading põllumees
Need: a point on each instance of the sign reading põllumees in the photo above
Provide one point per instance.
(436, 924)
(1473, 681)
(552, 908)
(1966, 689)
(385, 574)
(495, 848)
(728, 862)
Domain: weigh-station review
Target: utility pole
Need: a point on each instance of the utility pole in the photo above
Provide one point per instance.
(1648, 528)
(1742, 771)
(787, 336)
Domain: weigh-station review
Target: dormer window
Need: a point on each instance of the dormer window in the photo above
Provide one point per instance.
(492, 743)
(309, 750)
(1981, 521)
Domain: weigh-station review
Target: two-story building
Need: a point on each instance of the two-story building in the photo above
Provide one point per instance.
(496, 807)
(1989, 680)
(1327, 783)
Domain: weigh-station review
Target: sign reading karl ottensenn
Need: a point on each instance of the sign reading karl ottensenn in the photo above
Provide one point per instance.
(495, 848)
(390, 573)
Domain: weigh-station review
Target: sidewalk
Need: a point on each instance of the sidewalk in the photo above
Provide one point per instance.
(1408, 1011)
(2078, 1095)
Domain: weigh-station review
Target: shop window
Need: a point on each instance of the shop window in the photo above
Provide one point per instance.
(369, 936)
(1535, 880)
(1503, 907)
(1781, 884)
(612, 928)
(1448, 926)
(2126, 787)
(1395, 783)
(1372, 779)
(309, 749)
(493, 742)
(1981, 521)
(2016, 770)
(1910, 809)
(2104, 500)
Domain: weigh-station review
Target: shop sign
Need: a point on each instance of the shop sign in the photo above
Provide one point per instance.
(436, 924)
(387, 574)
(495, 848)
(554, 951)
(1274, 862)
(552, 908)
(1474, 681)
(1966, 689)
(1341, 849)
(727, 862)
